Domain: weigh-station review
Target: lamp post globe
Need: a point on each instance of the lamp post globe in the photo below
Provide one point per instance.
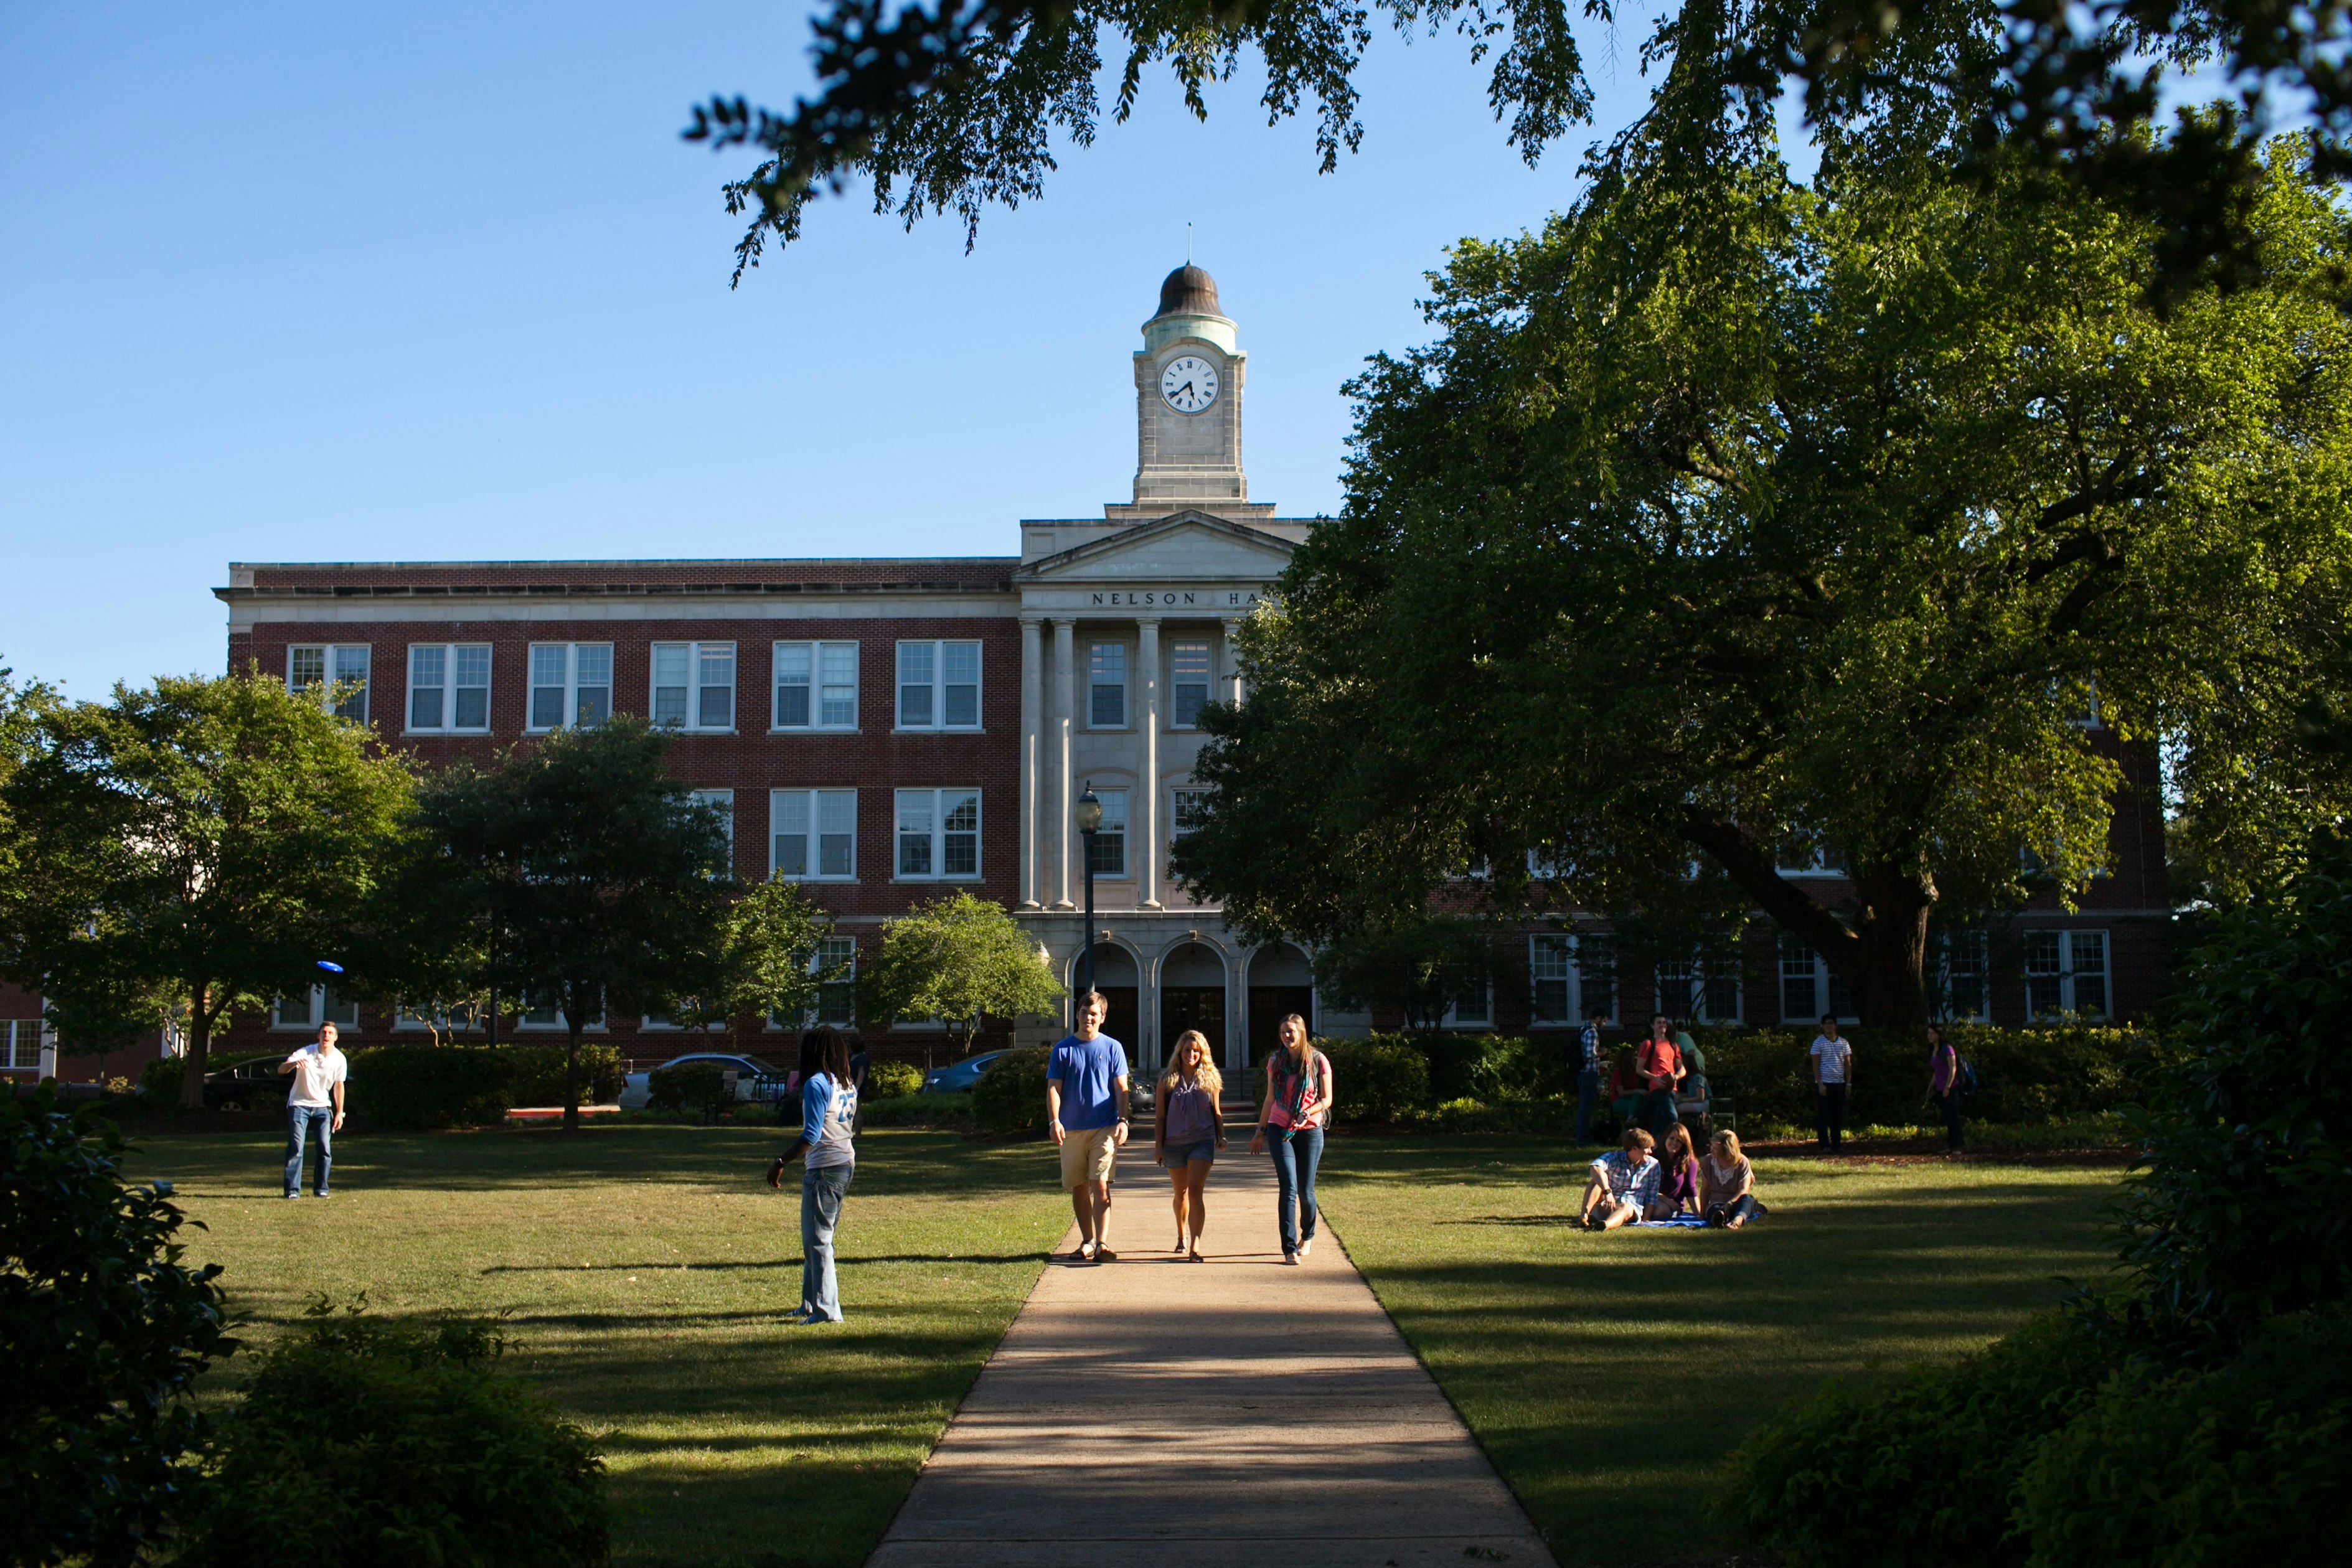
(1087, 814)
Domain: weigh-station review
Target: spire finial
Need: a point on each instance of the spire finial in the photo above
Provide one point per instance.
(1188, 243)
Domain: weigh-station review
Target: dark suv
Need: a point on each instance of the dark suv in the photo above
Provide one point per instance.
(255, 1085)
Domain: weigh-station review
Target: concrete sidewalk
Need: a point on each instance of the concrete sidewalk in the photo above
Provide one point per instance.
(1236, 1412)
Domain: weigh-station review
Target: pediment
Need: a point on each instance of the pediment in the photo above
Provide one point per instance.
(1190, 545)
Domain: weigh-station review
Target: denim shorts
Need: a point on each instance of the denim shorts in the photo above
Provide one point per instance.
(1183, 1155)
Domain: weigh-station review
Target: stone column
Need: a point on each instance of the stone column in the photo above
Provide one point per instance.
(1145, 820)
(1033, 738)
(1229, 668)
(1055, 829)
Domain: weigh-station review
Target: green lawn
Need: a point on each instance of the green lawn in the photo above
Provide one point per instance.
(645, 1271)
(1606, 1375)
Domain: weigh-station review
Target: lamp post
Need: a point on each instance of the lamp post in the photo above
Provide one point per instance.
(1087, 815)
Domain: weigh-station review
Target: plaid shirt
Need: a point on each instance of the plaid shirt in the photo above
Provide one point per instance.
(1590, 1040)
(1628, 1182)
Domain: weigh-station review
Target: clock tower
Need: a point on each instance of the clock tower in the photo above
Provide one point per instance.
(1188, 407)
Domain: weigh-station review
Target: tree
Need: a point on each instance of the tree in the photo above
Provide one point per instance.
(105, 1332)
(1727, 512)
(959, 960)
(955, 104)
(206, 840)
(604, 880)
(1416, 966)
(762, 962)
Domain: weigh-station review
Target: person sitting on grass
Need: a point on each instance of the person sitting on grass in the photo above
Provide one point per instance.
(1728, 1185)
(1678, 1178)
(1624, 1183)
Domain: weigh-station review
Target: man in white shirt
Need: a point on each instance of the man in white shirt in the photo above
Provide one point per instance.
(314, 1106)
(1832, 1076)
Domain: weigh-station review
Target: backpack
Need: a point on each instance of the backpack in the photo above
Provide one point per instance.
(1964, 1077)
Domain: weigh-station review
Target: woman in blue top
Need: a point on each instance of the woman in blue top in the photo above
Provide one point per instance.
(828, 1111)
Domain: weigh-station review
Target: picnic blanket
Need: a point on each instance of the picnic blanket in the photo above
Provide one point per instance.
(1679, 1222)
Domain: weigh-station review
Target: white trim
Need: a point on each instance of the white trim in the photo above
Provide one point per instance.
(693, 686)
(1126, 687)
(816, 687)
(567, 693)
(334, 666)
(1795, 962)
(2072, 947)
(315, 1018)
(812, 835)
(1694, 998)
(449, 689)
(1176, 643)
(935, 685)
(942, 803)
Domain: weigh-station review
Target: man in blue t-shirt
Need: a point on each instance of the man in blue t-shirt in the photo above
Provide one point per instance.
(1086, 1105)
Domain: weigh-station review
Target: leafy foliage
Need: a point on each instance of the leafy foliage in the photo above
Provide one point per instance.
(690, 1086)
(1376, 1081)
(958, 959)
(891, 1081)
(761, 964)
(410, 1446)
(1415, 965)
(2023, 1076)
(1010, 1097)
(200, 841)
(104, 1331)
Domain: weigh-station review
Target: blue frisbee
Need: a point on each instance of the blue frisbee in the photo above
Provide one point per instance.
(331, 968)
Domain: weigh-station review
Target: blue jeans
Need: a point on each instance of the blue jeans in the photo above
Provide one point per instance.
(1587, 1090)
(822, 1190)
(306, 1121)
(1295, 1160)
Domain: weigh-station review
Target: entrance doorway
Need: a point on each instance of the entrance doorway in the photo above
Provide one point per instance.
(1280, 983)
(1116, 978)
(1192, 996)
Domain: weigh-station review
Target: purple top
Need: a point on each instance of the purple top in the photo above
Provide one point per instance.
(1192, 1114)
(1679, 1182)
(1946, 1067)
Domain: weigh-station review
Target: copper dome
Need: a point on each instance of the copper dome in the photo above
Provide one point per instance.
(1189, 291)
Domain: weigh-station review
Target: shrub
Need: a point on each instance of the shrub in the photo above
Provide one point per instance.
(103, 1331)
(405, 1445)
(159, 1080)
(1011, 1097)
(917, 1111)
(419, 1087)
(538, 1073)
(2249, 1463)
(1916, 1471)
(1377, 1080)
(1483, 1067)
(691, 1086)
(2023, 1076)
(890, 1080)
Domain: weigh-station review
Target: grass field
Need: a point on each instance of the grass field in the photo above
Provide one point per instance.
(646, 1271)
(1607, 1375)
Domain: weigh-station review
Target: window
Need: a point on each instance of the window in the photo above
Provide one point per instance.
(2066, 972)
(1106, 686)
(1192, 810)
(448, 687)
(1545, 866)
(1109, 858)
(1473, 1006)
(815, 833)
(1807, 988)
(309, 1009)
(20, 1044)
(1551, 978)
(546, 1014)
(1703, 990)
(723, 802)
(346, 665)
(817, 686)
(1188, 684)
(1596, 976)
(1805, 854)
(571, 683)
(836, 998)
(1962, 993)
(938, 834)
(939, 685)
(694, 686)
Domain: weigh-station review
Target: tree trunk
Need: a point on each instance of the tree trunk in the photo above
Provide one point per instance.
(200, 1045)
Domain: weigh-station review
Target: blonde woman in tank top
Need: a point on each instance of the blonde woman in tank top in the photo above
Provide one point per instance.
(1188, 1130)
(1728, 1185)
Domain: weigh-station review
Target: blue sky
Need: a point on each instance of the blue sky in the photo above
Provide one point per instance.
(289, 282)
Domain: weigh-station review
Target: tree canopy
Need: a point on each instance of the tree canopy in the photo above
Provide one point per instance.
(958, 959)
(1727, 511)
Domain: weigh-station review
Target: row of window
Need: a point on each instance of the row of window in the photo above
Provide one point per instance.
(935, 836)
(20, 1044)
(692, 684)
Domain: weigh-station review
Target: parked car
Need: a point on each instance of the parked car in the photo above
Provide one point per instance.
(958, 1078)
(754, 1080)
(255, 1085)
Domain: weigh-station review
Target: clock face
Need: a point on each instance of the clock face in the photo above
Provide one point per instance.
(1189, 384)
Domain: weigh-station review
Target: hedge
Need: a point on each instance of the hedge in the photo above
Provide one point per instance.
(1376, 1080)
(890, 1080)
(411, 1088)
(159, 1080)
(2023, 1076)
(1011, 1097)
(538, 1073)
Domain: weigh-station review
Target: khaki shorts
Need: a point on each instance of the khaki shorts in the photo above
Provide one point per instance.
(1087, 1156)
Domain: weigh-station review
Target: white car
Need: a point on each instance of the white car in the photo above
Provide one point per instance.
(755, 1080)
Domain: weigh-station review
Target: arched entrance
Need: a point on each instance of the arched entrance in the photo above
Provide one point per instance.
(1192, 996)
(1280, 983)
(1116, 978)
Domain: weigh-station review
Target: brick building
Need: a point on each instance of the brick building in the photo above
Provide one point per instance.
(887, 730)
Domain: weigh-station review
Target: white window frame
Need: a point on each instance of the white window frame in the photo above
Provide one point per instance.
(1976, 937)
(830, 949)
(334, 664)
(693, 714)
(20, 1045)
(1096, 686)
(939, 685)
(1794, 960)
(449, 688)
(1544, 866)
(942, 802)
(1817, 862)
(1696, 981)
(536, 1019)
(1114, 804)
(1177, 830)
(1176, 682)
(572, 686)
(2071, 948)
(817, 687)
(315, 1016)
(725, 800)
(1547, 953)
(1472, 1023)
(812, 851)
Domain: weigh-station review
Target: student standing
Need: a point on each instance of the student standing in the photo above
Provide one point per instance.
(828, 1113)
(1624, 1184)
(1085, 1109)
(1298, 1104)
(314, 1106)
(1588, 1073)
(1832, 1076)
(1188, 1130)
(1661, 1064)
(1944, 1083)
